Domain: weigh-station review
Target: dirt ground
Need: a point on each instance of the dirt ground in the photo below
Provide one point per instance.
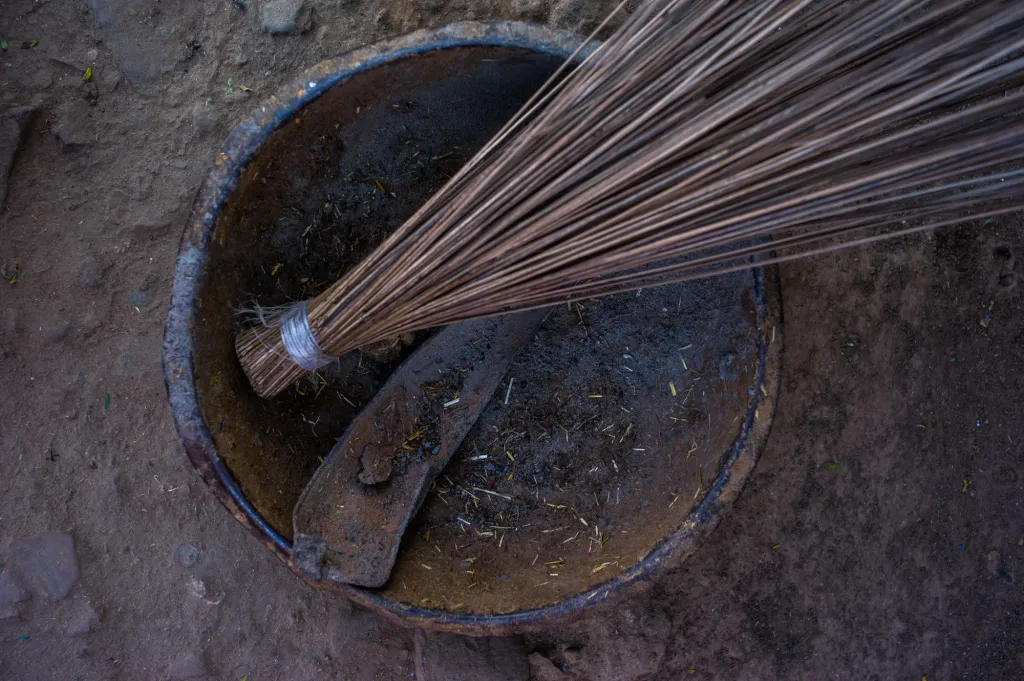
(880, 536)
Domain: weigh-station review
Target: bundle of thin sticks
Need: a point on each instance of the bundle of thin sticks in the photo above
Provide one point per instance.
(702, 136)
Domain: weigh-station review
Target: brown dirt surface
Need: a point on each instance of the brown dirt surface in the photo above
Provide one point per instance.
(880, 536)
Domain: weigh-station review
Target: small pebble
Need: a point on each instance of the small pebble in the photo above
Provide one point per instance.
(57, 332)
(543, 669)
(49, 559)
(74, 125)
(187, 666)
(85, 620)
(40, 79)
(139, 299)
(286, 16)
(90, 324)
(236, 96)
(186, 555)
(204, 118)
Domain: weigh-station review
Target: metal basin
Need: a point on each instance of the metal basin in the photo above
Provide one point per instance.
(634, 422)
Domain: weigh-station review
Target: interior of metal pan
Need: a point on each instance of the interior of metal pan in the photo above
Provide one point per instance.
(630, 422)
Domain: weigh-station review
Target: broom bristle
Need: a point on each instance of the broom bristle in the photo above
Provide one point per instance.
(702, 135)
(265, 361)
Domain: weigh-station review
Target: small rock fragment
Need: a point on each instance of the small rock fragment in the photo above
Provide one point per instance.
(139, 299)
(149, 228)
(107, 80)
(543, 669)
(236, 96)
(286, 16)
(146, 38)
(204, 118)
(84, 621)
(40, 79)
(56, 332)
(187, 665)
(90, 323)
(74, 126)
(186, 555)
(48, 559)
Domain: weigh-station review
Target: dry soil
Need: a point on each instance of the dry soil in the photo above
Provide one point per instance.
(880, 537)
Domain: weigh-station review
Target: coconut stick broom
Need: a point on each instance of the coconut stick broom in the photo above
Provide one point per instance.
(703, 136)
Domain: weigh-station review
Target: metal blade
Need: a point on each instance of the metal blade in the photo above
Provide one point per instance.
(350, 519)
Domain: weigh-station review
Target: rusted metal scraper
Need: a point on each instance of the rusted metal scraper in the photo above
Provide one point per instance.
(350, 519)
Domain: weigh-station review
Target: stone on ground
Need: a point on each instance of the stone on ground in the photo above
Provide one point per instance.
(286, 16)
(543, 669)
(49, 560)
